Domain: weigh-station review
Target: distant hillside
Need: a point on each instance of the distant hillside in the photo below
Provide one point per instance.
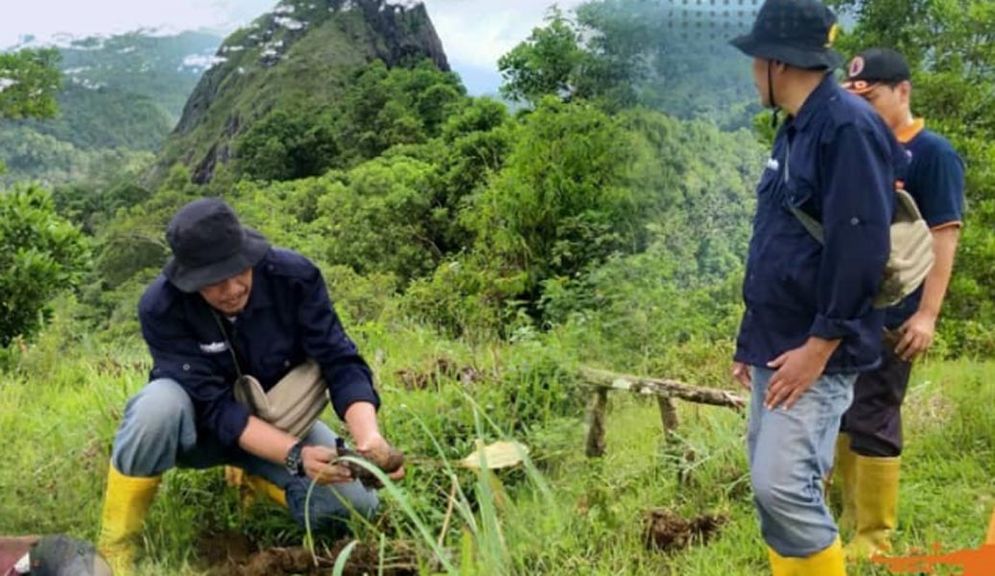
(162, 68)
(121, 94)
(299, 56)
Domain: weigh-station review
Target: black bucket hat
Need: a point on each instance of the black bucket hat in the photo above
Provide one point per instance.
(799, 33)
(209, 245)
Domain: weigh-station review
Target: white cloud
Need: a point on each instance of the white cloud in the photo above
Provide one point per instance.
(474, 32)
(47, 18)
(477, 33)
(203, 61)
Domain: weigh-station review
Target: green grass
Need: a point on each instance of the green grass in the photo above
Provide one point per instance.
(561, 514)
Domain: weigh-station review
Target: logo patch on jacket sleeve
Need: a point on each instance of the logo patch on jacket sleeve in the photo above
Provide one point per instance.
(213, 347)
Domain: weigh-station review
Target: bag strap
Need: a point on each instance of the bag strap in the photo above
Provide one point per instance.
(810, 224)
(231, 350)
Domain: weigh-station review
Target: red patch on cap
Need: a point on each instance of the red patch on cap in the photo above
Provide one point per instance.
(856, 66)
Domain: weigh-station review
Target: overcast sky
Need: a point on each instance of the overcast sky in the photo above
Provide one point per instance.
(475, 32)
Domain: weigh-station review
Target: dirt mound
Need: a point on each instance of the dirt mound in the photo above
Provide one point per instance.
(666, 531)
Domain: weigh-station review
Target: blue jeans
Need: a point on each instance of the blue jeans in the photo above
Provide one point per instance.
(790, 453)
(159, 432)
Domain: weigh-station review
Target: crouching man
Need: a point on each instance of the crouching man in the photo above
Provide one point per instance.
(229, 310)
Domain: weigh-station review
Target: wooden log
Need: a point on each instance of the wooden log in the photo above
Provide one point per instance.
(604, 380)
(596, 424)
(668, 415)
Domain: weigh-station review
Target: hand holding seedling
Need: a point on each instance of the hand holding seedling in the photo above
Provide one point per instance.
(379, 453)
(320, 465)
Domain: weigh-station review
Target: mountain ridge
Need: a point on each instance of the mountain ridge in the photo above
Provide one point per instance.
(304, 52)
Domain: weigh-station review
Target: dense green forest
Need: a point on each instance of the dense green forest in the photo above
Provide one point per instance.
(478, 253)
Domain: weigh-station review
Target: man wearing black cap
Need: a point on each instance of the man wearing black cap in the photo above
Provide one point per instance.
(868, 452)
(228, 306)
(810, 325)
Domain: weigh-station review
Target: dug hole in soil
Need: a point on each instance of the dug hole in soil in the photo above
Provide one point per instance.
(232, 554)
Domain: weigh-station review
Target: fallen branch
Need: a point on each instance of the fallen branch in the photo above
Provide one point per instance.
(602, 379)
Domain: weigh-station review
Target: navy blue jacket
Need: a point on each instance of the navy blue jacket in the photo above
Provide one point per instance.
(843, 167)
(288, 319)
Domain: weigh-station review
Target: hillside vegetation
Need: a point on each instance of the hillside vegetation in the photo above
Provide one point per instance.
(480, 255)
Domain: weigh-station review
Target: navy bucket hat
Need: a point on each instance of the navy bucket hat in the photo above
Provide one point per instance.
(209, 245)
(799, 33)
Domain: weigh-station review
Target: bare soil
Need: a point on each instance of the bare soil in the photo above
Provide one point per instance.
(232, 554)
(667, 531)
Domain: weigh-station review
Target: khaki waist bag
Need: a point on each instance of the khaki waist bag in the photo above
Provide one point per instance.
(293, 405)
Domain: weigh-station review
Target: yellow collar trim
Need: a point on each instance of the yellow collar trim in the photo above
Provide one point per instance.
(906, 133)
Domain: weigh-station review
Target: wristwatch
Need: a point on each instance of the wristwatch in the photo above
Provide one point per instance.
(294, 462)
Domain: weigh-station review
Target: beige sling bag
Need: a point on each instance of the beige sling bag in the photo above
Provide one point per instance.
(292, 405)
(911, 256)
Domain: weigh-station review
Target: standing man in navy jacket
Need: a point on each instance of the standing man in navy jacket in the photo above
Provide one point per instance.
(229, 303)
(810, 326)
(869, 451)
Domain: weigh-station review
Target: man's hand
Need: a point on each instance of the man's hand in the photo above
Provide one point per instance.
(916, 335)
(741, 374)
(377, 450)
(796, 371)
(362, 420)
(318, 466)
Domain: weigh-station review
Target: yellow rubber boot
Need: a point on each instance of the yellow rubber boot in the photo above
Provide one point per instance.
(267, 488)
(249, 486)
(829, 562)
(877, 506)
(126, 504)
(990, 540)
(845, 472)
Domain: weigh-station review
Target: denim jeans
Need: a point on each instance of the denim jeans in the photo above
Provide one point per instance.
(790, 453)
(159, 433)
